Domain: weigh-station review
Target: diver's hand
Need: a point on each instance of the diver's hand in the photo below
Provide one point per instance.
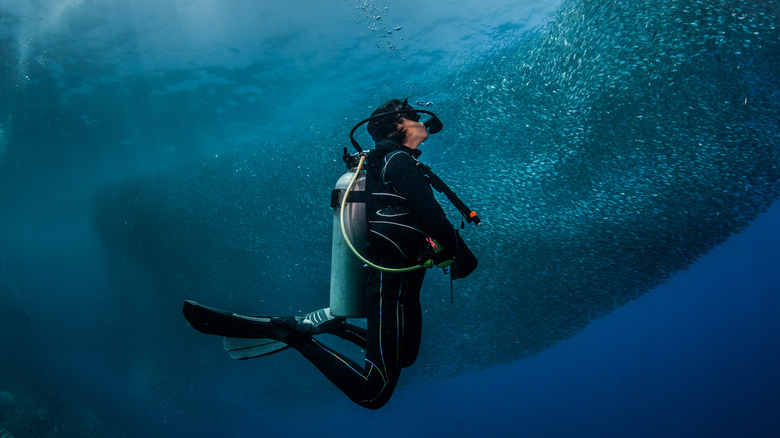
(464, 262)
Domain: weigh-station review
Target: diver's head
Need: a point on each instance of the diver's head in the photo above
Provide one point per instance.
(397, 125)
(382, 127)
(398, 122)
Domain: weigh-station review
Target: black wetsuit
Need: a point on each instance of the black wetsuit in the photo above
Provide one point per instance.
(402, 214)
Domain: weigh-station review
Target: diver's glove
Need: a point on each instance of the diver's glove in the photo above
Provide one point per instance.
(464, 262)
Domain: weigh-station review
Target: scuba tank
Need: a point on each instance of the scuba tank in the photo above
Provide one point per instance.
(348, 267)
(347, 272)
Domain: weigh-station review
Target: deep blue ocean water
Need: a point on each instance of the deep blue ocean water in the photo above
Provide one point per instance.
(698, 356)
(624, 156)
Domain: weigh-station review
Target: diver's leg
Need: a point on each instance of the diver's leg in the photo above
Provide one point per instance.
(412, 317)
(342, 371)
(352, 333)
(372, 385)
(384, 327)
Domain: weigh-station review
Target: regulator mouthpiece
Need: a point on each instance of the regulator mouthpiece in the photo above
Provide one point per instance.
(433, 124)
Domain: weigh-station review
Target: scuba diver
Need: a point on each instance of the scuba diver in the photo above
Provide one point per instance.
(406, 231)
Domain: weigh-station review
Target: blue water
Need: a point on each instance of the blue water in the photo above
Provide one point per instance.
(698, 356)
(624, 157)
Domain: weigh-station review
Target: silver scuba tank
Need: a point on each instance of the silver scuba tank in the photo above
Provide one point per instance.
(347, 273)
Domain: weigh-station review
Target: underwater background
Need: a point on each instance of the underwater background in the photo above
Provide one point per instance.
(623, 156)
